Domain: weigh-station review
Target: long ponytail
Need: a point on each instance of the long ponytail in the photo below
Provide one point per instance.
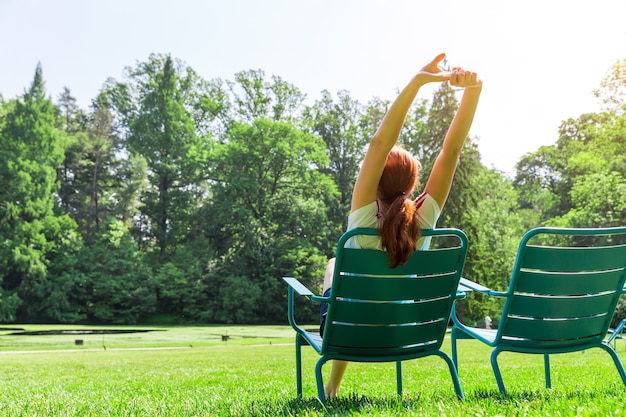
(400, 231)
(400, 228)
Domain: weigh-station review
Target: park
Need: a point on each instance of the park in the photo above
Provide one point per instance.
(190, 371)
(179, 182)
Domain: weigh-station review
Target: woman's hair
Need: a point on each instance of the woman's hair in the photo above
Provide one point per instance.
(400, 229)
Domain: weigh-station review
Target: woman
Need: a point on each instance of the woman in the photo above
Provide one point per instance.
(389, 175)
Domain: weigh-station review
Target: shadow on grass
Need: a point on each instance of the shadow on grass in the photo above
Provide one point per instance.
(536, 402)
(590, 394)
(350, 405)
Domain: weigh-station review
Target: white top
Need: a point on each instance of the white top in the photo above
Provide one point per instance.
(367, 216)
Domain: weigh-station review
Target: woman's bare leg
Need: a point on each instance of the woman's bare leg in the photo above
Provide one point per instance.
(328, 276)
(336, 374)
(338, 367)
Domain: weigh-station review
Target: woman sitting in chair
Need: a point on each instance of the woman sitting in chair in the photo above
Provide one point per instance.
(389, 175)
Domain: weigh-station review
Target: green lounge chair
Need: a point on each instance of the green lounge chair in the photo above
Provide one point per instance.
(563, 291)
(382, 314)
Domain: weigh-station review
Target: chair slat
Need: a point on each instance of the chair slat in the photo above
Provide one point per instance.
(542, 330)
(391, 289)
(373, 262)
(539, 282)
(384, 336)
(386, 313)
(561, 307)
(566, 259)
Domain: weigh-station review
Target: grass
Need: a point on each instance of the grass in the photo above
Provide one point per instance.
(190, 371)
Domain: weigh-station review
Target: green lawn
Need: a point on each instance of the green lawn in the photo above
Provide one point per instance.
(190, 371)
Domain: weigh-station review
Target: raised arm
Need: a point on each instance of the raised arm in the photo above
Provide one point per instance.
(388, 132)
(442, 174)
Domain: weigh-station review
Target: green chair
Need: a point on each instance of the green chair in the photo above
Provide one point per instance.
(563, 291)
(382, 314)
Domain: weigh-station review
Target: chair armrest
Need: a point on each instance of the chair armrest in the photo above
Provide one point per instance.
(468, 286)
(298, 286)
(617, 332)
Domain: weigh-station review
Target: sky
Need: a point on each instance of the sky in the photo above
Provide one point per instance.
(539, 59)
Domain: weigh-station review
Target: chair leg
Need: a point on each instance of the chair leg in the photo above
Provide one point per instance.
(399, 377)
(616, 361)
(319, 379)
(453, 374)
(455, 359)
(298, 365)
(546, 367)
(496, 370)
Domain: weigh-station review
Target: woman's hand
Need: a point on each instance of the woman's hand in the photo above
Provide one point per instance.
(432, 73)
(464, 79)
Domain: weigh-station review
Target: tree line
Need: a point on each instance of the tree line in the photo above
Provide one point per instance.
(175, 199)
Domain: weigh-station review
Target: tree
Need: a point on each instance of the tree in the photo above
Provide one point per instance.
(494, 225)
(119, 285)
(424, 134)
(254, 97)
(91, 175)
(551, 179)
(32, 151)
(157, 112)
(268, 214)
(180, 284)
(612, 88)
(340, 126)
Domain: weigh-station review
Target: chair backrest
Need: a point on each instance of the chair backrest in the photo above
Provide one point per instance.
(564, 288)
(375, 310)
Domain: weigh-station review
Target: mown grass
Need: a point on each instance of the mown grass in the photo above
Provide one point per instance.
(189, 371)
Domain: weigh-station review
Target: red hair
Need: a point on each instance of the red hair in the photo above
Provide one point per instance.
(400, 229)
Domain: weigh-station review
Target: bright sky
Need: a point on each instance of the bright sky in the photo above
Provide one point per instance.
(539, 59)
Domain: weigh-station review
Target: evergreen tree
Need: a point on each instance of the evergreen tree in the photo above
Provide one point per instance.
(157, 113)
(34, 235)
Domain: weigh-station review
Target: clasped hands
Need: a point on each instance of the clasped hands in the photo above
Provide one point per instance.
(458, 77)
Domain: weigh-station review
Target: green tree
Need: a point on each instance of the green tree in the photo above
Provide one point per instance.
(180, 285)
(551, 179)
(119, 285)
(340, 126)
(60, 298)
(157, 112)
(253, 97)
(91, 176)
(32, 151)
(581, 180)
(494, 225)
(423, 134)
(268, 214)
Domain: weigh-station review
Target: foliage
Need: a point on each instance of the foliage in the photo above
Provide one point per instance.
(186, 200)
(119, 285)
(494, 225)
(612, 88)
(32, 230)
(268, 200)
(343, 128)
(180, 286)
(157, 110)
